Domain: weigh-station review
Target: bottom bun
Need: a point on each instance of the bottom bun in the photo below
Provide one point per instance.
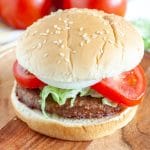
(70, 129)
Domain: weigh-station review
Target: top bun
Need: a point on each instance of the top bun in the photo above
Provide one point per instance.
(78, 47)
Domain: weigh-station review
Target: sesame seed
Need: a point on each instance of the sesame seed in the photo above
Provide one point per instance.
(60, 41)
(62, 46)
(104, 38)
(81, 44)
(110, 41)
(62, 54)
(107, 31)
(67, 28)
(57, 32)
(34, 46)
(26, 34)
(65, 21)
(47, 31)
(94, 36)
(68, 73)
(106, 23)
(46, 54)
(67, 60)
(44, 41)
(81, 29)
(55, 26)
(118, 44)
(84, 35)
(58, 28)
(67, 25)
(56, 42)
(58, 62)
(34, 33)
(43, 34)
(86, 38)
(99, 32)
(101, 50)
(122, 34)
(39, 45)
(70, 22)
(59, 19)
(74, 52)
(94, 14)
(59, 10)
(88, 41)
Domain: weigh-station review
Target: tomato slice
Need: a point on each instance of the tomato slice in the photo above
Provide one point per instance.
(25, 78)
(128, 88)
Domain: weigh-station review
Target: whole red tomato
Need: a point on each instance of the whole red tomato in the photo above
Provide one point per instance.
(22, 13)
(76, 4)
(57, 4)
(117, 7)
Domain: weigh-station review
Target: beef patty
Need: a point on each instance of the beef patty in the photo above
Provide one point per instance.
(84, 107)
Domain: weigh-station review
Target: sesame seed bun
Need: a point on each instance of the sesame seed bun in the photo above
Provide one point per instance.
(78, 47)
(71, 129)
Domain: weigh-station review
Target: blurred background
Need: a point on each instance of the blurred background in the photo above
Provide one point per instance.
(17, 15)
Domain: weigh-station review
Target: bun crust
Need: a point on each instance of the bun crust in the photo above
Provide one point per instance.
(70, 47)
(70, 129)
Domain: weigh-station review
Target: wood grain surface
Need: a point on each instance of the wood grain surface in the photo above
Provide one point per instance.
(15, 135)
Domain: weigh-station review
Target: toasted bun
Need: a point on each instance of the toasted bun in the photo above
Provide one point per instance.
(78, 47)
(70, 129)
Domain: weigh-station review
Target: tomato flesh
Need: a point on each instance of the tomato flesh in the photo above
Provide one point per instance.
(25, 78)
(128, 88)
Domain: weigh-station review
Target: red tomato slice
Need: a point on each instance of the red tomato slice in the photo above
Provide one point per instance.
(128, 88)
(25, 78)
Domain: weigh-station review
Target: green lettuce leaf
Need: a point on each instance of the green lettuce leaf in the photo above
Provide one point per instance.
(106, 101)
(59, 96)
(89, 92)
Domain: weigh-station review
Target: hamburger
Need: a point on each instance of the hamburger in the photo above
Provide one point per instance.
(78, 75)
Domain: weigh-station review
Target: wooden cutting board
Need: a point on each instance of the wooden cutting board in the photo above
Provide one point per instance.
(15, 135)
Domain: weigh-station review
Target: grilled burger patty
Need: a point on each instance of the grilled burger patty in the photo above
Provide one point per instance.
(84, 107)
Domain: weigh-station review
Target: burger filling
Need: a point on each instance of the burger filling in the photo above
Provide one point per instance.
(108, 97)
(68, 104)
